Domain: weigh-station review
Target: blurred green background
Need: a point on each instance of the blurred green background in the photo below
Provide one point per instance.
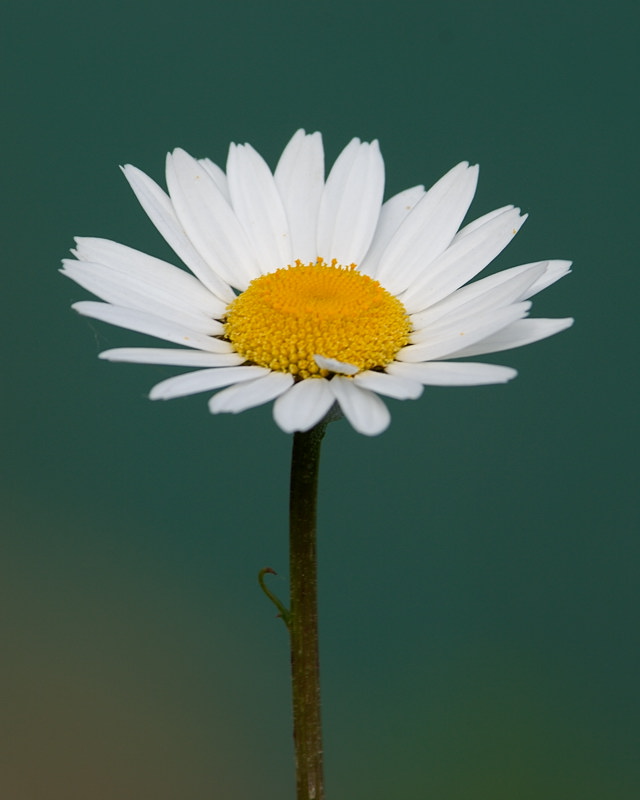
(479, 561)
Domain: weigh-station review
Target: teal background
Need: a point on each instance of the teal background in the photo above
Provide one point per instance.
(479, 561)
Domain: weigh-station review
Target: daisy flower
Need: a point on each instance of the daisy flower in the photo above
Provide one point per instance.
(312, 292)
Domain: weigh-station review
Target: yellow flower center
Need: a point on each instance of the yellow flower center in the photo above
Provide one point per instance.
(286, 317)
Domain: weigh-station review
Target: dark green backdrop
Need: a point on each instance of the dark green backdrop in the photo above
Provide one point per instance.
(479, 561)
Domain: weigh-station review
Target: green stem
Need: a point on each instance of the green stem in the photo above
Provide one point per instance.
(303, 613)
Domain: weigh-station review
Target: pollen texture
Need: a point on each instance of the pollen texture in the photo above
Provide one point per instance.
(286, 317)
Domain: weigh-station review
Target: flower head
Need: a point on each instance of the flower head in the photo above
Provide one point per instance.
(314, 292)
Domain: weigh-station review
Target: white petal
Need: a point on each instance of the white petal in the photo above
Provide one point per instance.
(253, 393)
(552, 272)
(428, 230)
(555, 270)
(142, 322)
(506, 286)
(480, 297)
(299, 177)
(350, 204)
(389, 385)
(517, 334)
(161, 212)
(171, 358)
(392, 214)
(453, 373)
(333, 365)
(303, 405)
(204, 380)
(130, 292)
(470, 227)
(157, 274)
(462, 261)
(217, 175)
(364, 409)
(256, 202)
(209, 221)
(450, 337)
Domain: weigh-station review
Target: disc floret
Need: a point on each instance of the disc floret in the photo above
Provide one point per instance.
(286, 317)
